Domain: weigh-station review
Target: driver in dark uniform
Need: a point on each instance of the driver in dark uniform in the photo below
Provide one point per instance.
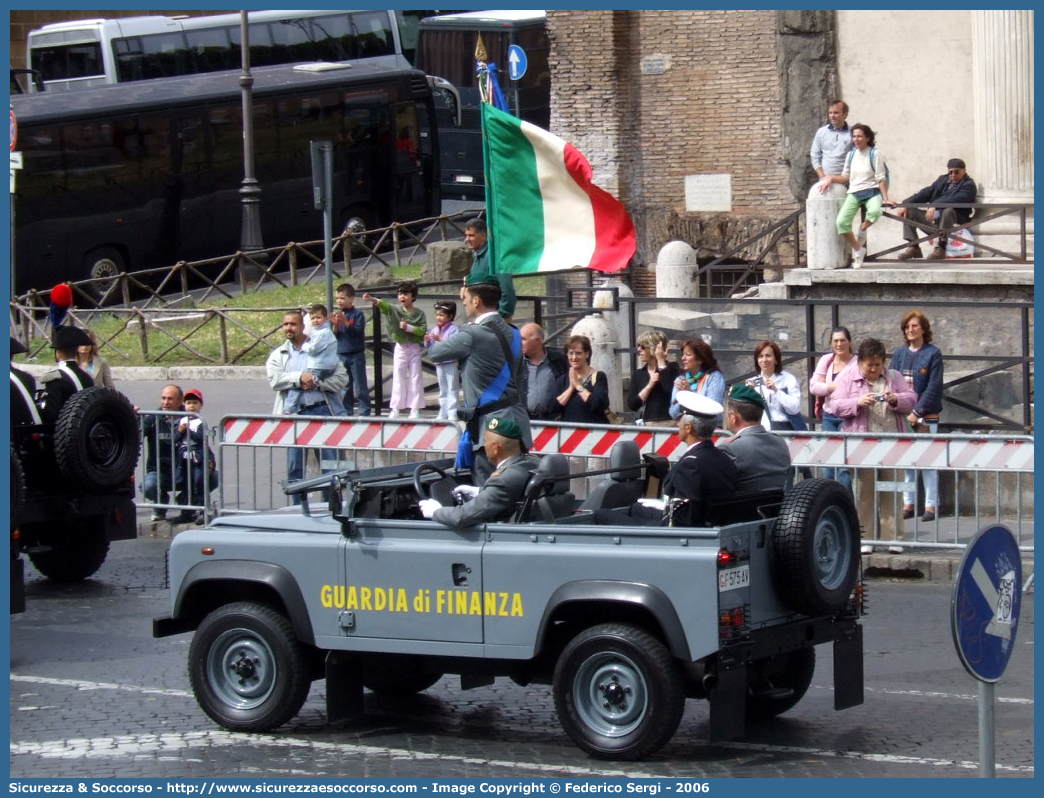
(62, 382)
(23, 390)
(502, 490)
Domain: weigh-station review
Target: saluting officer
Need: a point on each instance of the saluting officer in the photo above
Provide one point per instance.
(23, 391)
(62, 382)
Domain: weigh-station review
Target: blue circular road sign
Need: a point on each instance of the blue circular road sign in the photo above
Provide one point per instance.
(987, 597)
(517, 62)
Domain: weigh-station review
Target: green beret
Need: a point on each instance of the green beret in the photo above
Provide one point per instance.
(481, 278)
(505, 428)
(744, 393)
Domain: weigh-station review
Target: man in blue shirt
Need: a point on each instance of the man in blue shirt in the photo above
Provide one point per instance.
(831, 144)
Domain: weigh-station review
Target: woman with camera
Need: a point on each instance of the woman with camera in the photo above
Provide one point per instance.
(699, 373)
(870, 398)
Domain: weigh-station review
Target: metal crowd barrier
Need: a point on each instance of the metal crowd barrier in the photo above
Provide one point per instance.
(983, 478)
(180, 496)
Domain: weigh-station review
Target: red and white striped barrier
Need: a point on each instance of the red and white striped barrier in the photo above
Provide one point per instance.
(896, 450)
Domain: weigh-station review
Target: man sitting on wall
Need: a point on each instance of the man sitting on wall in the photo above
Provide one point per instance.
(953, 187)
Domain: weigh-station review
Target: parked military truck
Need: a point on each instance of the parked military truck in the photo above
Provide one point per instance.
(72, 487)
(626, 622)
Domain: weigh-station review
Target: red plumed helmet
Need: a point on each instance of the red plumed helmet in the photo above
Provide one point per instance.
(61, 301)
(61, 296)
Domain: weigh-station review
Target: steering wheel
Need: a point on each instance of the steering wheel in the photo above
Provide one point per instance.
(418, 485)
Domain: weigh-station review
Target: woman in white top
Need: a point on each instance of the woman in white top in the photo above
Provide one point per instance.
(779, 388)
(865, 173)
(781, 392)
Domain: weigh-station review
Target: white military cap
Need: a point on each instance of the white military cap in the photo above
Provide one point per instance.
(698, 404)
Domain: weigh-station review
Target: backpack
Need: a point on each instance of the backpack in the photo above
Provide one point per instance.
(888, 172)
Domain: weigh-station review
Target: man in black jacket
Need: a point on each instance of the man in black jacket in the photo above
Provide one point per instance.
(60, 383)
(954, 187)
(545, 366)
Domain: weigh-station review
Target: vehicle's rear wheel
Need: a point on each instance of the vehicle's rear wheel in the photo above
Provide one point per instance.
(815, 552)
(248, 670)
(357, 220)
(76, 555)
(397, 676)
(103, 266)
(96, 439)
(776, 684)
(618, 691)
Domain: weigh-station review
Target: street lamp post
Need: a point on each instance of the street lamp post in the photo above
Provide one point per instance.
(250, 241)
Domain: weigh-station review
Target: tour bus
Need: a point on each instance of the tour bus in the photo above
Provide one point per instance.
(446, 48)
(123, 178)
(92, 52)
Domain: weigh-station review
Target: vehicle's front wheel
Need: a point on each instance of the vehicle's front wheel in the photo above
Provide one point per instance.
(248, 670)
(618, 691)
(776, 684)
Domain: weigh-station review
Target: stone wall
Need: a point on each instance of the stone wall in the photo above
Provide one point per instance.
(653, 96)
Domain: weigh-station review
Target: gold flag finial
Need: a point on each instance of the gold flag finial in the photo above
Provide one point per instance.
(480, 50)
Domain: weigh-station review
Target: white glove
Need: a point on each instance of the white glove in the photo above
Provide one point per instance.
(466, 492)
(656, 504)
(428, 507)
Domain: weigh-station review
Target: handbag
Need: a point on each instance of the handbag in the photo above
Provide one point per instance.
(612, 417)
(818, 409)
(866, 194)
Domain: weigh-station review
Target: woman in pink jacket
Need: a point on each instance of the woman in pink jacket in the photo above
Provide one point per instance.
(871, 398)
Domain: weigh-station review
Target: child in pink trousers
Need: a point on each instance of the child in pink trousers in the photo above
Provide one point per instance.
(407, 328)
(448, 373)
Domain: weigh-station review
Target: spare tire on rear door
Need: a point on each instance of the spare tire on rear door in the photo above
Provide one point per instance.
(96, 439)
(815, 542)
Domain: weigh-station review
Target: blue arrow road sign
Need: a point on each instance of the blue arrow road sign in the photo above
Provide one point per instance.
(987, 597)
(517, 62)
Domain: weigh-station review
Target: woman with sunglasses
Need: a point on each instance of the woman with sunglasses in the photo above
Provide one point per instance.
(650, 392)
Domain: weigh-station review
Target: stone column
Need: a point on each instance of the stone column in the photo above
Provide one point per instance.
(1002, 53)
(826, 249)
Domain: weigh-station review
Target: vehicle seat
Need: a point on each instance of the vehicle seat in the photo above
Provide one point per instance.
(744, 507)
(625, 485)
(556, 500)
(545, 495)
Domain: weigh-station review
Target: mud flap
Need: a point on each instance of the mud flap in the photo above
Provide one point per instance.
(848, 669)
(728, 702)
(344, 686)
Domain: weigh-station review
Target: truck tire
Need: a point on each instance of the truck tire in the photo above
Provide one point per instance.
(248, 670)
(618, 692)
(76, 555)
(776, 684)
(397, 676)
(815, 547)
(96, 439)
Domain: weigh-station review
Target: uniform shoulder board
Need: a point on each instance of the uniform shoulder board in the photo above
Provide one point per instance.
(53, 374)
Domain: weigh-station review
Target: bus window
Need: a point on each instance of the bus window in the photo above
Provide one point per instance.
(211, 49)
(63, 62)
(292, 41)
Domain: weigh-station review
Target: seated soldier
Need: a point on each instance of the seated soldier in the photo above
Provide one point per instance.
(702, 476)
(503, 489)
(762, 459)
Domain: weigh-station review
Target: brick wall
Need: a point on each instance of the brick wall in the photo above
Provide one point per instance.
(716, 108)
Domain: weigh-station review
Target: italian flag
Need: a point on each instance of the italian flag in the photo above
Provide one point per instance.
(544, 212)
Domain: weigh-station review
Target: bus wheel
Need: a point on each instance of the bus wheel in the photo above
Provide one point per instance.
(103, 266)
(357, 221)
